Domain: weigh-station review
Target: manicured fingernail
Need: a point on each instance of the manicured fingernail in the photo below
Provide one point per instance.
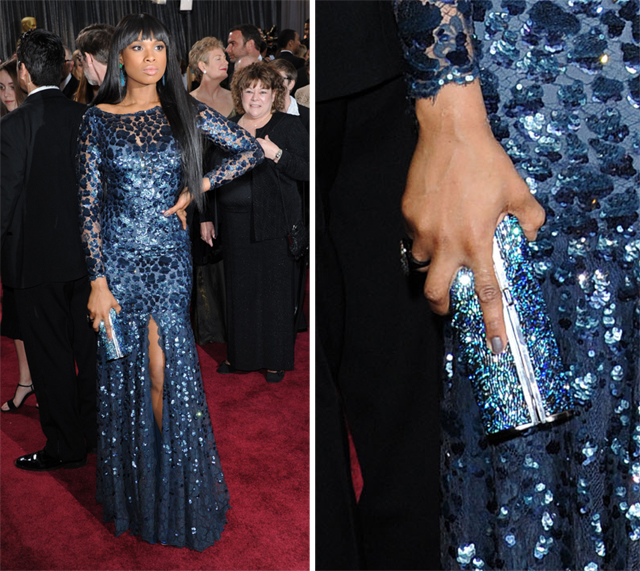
(497, 346)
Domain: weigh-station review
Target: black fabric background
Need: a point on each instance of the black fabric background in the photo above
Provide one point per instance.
(207, 17)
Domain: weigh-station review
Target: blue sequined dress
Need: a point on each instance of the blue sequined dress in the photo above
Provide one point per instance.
(561, 85)
(168, 486)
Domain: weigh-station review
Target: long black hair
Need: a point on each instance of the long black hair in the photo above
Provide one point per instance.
(179, 108)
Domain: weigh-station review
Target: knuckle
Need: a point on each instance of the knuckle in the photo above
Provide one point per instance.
(488, 293)
(436, 298)
(538, 218)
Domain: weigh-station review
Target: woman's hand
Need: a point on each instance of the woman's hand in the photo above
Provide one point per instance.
(101, 300)
(180, 208)
(207, 232)
(460, 185)
(269, 147)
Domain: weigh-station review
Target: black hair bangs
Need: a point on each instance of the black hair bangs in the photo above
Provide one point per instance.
(140, 27)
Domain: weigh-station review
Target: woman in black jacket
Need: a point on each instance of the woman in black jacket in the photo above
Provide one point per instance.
(258, 211)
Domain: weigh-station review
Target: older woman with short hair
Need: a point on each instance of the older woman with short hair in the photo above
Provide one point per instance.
(258, 213)
(208, 63)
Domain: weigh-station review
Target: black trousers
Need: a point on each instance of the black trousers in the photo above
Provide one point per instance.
(57, 337)
(379, 347)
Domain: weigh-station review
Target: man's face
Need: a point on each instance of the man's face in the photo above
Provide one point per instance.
(295, 44)
(236, 46)
(68, 63)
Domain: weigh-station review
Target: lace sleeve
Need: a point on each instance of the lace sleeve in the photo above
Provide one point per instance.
(90, 195)
(436, 39)
(245, 151)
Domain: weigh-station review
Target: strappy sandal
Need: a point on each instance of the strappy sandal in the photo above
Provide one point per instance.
(12, 406)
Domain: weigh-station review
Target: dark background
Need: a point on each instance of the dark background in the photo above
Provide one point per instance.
(206, 18)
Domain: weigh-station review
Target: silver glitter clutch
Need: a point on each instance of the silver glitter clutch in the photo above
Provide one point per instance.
(526, 385)
(115, 346)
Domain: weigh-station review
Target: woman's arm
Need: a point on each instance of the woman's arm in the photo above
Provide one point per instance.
(245, 151)
(461, 183)
(88, 162)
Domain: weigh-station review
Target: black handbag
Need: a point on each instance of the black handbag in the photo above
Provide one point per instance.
(298, 239)
(298, 235)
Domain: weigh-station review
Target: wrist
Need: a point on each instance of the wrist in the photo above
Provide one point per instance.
(99, 284)
(457, 112)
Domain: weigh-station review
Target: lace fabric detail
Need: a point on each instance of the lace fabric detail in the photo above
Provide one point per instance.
(232, 138)
(165, 486)
(138, 156)
(174, 493)
(436, 38)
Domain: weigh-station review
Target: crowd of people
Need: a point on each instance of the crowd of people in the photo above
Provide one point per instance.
(127, 156)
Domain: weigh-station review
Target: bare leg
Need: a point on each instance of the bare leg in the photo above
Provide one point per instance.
(156, 372)
(24, 378)
(23, 366)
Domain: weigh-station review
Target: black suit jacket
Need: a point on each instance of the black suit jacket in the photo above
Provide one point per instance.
(366, 63)
(71, 87)
(297, 62)
(39, 191)
(305, 116)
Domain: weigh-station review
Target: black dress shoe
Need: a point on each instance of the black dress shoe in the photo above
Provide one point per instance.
(274, 377)
(41, 461)
(226, 368)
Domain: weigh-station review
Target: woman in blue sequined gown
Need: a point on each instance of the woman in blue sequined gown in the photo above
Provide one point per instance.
(561, 88)
(159, 474)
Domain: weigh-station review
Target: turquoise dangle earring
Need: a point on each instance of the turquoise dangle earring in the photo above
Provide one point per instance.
(163, 76)
(121, 76)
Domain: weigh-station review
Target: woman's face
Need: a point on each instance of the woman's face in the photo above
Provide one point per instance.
(288, 83)
(144, 61)
(257, 100)
(7, 91)
(217, 65)
(77, 58)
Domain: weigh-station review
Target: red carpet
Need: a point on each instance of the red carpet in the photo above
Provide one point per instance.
(51, 520)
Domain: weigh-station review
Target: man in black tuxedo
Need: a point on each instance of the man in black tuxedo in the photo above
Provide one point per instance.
(42, 256)
(288, 44)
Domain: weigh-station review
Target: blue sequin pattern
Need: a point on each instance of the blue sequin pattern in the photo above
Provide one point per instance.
(167, 487)
(561, 84)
